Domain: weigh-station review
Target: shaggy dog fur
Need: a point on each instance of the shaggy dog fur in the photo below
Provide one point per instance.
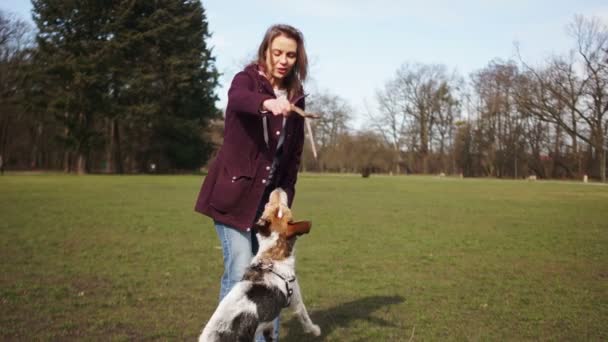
(269, 283)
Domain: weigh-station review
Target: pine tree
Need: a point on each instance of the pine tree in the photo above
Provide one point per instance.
(134, 76)
(71, 36)
(164, 82)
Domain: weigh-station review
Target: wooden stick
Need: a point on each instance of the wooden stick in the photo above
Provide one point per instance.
(311, 138)
(307, 116)
(303, 113)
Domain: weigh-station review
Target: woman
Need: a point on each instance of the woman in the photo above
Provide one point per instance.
(261, 150)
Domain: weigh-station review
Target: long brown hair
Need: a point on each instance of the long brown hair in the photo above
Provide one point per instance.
(293, 81)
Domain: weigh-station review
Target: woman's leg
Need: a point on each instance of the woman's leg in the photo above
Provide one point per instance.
(236, 248)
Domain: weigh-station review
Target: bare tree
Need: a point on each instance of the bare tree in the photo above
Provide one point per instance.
(573, 93)
(446, 108)
(15, 40)
(330, 128)
(499, 121)
(391, 123)
(412, 106)
(335, 113)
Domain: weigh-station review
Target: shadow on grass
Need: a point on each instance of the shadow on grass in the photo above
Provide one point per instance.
(341, 316)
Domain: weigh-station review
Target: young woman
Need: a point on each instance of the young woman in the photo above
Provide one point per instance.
(261, 150)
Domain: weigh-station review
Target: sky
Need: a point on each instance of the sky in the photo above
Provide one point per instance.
(355, 46)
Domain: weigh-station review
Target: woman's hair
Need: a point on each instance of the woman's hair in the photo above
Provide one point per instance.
(292, 81)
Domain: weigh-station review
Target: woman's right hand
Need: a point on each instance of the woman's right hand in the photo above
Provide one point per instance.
(280, 106)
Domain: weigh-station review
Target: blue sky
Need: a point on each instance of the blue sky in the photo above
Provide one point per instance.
(356, 46)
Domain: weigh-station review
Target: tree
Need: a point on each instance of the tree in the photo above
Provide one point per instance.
(172, 75)
(71, 38)
(464, 148)
(391, 123)
(499, 119)
(412, 106)
(135, 79)
(335, 113)
(445, 110)
(15, 42)
(573, 92)
(370, 153)
(330, 129)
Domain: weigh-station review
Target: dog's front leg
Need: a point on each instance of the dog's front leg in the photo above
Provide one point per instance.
(298, 307)
(267, 330)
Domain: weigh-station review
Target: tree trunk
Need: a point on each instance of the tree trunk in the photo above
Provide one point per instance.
(81, 163)
(118, 165)
(110, 149)
(67, 162)
(515, 175)
(424, 141)
(3, 143)
(424, 153)
(67, 155)
(35, 151)
(602, 157)
(396, 160)
(556, 152)
(603, 165)
(114, 163)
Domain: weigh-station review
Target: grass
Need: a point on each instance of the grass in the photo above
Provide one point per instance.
(388, 259)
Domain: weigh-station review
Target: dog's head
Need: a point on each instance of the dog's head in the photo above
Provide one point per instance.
(277, 217)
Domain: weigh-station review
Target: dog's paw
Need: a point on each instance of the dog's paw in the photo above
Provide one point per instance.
(314, 329)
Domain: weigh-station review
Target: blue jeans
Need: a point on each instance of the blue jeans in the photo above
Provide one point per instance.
(237, 252)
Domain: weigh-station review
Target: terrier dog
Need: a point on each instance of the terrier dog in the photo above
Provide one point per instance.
(269, 283)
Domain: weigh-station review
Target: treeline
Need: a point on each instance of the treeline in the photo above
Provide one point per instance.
(107, 86)
(508, 119)
(126, 87)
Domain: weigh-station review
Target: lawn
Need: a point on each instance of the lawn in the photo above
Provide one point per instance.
(388, 259)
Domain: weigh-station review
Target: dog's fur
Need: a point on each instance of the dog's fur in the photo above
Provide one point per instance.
(253, 303)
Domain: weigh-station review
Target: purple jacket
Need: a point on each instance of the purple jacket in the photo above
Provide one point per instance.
(235, 184)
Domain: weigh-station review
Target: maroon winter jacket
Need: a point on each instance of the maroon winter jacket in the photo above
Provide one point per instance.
(233, 188)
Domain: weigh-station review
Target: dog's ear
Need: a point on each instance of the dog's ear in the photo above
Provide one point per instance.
(298, 228)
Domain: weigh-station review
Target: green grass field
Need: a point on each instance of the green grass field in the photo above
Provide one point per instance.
(388, 259)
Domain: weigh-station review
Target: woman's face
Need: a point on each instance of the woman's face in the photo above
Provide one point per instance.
(280, 58)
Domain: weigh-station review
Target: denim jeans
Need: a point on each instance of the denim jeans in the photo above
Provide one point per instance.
(237, 251)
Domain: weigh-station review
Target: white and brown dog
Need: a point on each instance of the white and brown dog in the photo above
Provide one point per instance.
(269, 283)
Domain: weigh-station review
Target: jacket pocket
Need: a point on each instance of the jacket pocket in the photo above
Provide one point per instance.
(231, 189)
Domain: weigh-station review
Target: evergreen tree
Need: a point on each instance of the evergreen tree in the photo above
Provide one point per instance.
(163, 79)
(137, 76)
(70, 36)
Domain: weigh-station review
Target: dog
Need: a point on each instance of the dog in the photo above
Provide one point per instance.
(269, 283)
